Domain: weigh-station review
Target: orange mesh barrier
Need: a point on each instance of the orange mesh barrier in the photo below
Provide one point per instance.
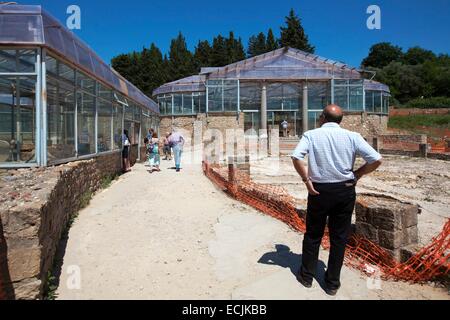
(429, 263)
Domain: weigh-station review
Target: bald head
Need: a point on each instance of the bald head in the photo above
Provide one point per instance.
(333, 113)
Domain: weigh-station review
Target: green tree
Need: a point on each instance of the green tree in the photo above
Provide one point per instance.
(234, 48)
(257, 45)
(202, 55)
(123, 65)
(405, 81)
(152, 69)
(219, 52)
(293, 35)
(272, 43)
(382, 54)
(181, 61)
(417, 55)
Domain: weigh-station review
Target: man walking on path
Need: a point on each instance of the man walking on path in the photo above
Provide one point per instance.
(285, 125)
(331, 183)
(176, 140)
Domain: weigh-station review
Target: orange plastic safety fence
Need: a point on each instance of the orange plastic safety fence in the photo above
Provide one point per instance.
(430, 262)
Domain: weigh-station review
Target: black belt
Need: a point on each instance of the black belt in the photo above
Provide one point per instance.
(348, 183)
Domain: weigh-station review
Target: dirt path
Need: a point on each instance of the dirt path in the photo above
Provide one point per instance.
(174, 235)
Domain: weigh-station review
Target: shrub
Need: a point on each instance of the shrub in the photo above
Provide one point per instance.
(429, 103)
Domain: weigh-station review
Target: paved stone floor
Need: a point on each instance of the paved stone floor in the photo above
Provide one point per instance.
(175, 235)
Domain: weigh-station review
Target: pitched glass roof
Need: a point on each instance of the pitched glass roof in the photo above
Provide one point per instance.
(30, 25)
(278, 65)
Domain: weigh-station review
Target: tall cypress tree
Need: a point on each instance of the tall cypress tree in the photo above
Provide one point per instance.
(135, 76)
(271, 43)
(181, 61)
(122, 64)
(219, 52)
(234, 48)
(202, 55)
(257, 45)
(293, 35)
(152, 69)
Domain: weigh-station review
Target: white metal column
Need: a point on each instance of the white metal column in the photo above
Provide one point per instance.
(38, 111)
(264, 107)
(305, 108)
(44, 133)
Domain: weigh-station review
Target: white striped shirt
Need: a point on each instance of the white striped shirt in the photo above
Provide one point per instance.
(332, 152)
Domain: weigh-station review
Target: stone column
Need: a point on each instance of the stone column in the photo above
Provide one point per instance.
(305, 108)
(264, 108)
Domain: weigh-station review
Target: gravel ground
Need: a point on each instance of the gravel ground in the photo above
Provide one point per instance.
(175, 235)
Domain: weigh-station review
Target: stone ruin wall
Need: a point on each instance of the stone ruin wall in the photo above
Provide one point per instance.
(35, 207)
(389, 223)
(368, 125)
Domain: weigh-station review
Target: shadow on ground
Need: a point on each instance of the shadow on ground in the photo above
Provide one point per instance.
(285, 258)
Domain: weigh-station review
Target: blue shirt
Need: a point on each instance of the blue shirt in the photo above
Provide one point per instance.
(332, 153)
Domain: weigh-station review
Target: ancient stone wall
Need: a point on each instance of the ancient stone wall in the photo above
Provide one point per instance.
(35, 206)
(219, 121)
(368, 125)
(389, 223)
(408, 112)
(401, 142)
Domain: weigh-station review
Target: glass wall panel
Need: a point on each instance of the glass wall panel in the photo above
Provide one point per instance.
(284, 96)
(178, 104)
(199, 99)
(251, 123)
(292, 96)
(128, 113)
(117, 126)
(66, 72)
(356, 98)
(104, 126)
(22, 60)
(250, 96)
(86, 83)
(61, 120)
(222, 95)
(319, 95)
(215, 101)
(137, 113)
(341, 97)
(230, 98)
(348, 94)
(169, 104)
(104, 92)
(314, 120)
(377, 101)
(162, 104)
(385, 104)
(275, 96)
(369, 101)
(187, 103)
(86, 123)
(17, 119)
(51, 65)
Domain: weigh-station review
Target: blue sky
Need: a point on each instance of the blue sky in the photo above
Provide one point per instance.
(336, 28)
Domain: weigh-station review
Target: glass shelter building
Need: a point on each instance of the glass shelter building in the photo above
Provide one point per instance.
(59, 101)
(285, 84)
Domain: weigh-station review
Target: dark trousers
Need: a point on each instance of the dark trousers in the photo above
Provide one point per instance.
(335, 202)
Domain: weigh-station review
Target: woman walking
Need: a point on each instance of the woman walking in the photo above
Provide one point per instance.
(126, 167)
(176, 141)
(167, 148)
(153, 152)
